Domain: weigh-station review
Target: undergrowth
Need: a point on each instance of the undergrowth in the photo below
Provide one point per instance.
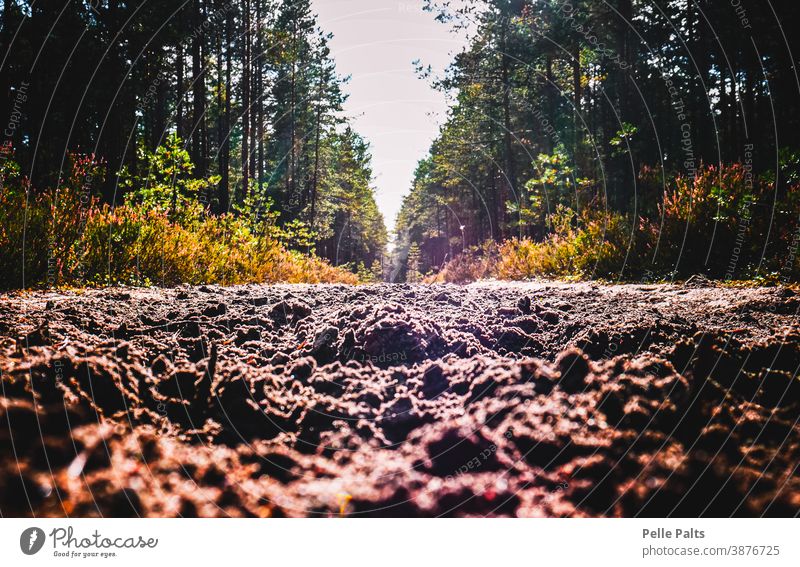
(161, 235)
(721, 224)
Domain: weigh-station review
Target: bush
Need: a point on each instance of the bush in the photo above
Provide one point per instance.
(39, 229)
(592, 245)
(471, 265)
(135, 246)
(719, 223)
(23, 237)
(522, 259)
(167, 184)
(727, 224)
(64, 237)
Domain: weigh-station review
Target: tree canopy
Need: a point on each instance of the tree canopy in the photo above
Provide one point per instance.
(248, 87)
(599, 104)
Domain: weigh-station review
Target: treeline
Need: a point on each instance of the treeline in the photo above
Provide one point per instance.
(661, 131)
(247, 86)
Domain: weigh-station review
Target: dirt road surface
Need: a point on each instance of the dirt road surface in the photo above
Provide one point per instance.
(493, 399)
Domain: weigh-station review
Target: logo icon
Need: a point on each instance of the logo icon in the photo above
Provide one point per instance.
(31, 541)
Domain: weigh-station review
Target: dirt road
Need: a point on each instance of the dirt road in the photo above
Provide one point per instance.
(397, 400)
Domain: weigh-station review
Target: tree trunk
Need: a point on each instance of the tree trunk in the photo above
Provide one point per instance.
(220, 114)
(260, 95)
(198, 92)
(315, 179)
(551, 103)
(508, 149)
(254, 93)
(179, 104)
(246, 104)
(576, 91)
(290, 179)
(225, 151)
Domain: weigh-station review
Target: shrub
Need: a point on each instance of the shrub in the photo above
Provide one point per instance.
(724, 223)
(38, 230)
(471, 265)
(23, 236)
(135, 246)
(554, 186)
(592, 245)
(708, 218)
(167, 184)
(64, 237)
(522, 259)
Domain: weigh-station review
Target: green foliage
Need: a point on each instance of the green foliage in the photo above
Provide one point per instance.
(553, 186)
(622, 140)
(594, 247)
(376, 271)
(413, 274)
(349, 226)
(252, 89)
(167, 184)
(257, 210)
(296, 235)
(705, 224)
(64, 237)
(136, 246)
(564, 106)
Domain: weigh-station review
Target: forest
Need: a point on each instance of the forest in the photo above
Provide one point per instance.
(206, 118)
(623, 139)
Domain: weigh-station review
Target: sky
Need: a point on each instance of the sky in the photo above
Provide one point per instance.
(376, 42)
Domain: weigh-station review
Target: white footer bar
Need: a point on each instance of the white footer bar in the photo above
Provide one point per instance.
(394, 542)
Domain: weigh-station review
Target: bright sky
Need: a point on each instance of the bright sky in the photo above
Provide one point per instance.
(376, 41)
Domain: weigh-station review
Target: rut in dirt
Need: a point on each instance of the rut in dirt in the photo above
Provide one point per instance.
(401, 400)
